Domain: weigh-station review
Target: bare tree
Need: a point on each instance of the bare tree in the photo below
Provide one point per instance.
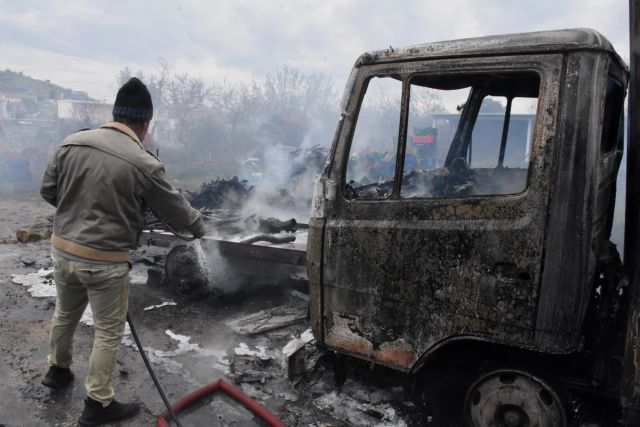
(288, 91)
(218, 126)
(155, 83)
(185, 98)
(427, 101)
(239, 103)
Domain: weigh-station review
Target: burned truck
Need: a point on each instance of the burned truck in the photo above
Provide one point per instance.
(481, 265)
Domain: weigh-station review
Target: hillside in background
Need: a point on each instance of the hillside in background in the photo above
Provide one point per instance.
(16, 84)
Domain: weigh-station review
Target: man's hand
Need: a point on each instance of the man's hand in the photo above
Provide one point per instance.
(197, 228)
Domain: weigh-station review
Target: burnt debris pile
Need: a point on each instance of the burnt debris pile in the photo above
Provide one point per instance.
(303, 167)
(308, 161)
(222, 193)
(238, 209)
(269, 212)
(233, 215)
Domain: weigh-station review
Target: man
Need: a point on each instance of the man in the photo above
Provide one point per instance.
(100, 182)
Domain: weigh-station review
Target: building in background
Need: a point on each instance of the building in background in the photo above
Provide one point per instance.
(10, 106)
(91, 112)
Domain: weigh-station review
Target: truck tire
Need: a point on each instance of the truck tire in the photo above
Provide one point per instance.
(513, 398)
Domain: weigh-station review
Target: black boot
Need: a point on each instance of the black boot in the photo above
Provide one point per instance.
(95, 414)
(57, 377)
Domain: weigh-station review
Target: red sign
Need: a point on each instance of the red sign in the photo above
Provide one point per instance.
(422, 139)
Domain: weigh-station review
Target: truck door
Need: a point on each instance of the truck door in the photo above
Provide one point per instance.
(437, 227)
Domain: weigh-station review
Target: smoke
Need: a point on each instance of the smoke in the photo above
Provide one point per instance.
(282, 190)
(27, 144)
(285, 187)
(20, 161)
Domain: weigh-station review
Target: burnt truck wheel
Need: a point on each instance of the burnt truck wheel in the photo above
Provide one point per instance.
(509, 398)
(183, 271)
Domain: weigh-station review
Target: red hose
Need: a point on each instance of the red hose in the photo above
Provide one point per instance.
(230, 390)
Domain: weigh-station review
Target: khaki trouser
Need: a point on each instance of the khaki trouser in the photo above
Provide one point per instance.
(106, 289)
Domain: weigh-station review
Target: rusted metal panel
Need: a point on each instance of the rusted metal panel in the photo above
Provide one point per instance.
(343, 334)
(412, 273)
(395, 288)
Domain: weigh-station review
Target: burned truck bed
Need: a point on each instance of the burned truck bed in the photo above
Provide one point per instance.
(221, 265)
(287, 253)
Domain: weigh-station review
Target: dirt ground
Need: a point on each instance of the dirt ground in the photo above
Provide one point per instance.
(189, 344)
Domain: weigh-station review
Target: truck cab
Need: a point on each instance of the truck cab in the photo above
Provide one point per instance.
(464, 214)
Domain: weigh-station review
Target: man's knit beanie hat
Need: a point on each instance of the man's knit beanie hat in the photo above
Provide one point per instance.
(133, 102)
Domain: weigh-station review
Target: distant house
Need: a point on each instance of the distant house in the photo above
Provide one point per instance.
(9, 106)
(90, 112)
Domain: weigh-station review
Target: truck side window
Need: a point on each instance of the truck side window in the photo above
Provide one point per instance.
(484, 149)
(612, 124)
(431, 126)
(476, 142)
(372, 158)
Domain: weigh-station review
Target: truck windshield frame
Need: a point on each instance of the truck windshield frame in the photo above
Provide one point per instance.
(487, 132)
(429, 171)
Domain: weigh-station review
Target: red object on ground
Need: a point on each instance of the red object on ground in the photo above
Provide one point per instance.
(230, 390)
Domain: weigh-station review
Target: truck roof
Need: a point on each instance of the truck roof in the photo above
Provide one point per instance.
(508, 44)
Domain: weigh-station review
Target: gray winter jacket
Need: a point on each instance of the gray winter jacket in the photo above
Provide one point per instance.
(100, 182)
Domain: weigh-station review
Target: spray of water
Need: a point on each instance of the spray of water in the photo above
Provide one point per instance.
(214, 269)
(204, 265)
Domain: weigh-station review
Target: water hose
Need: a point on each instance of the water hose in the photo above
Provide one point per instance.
(245, 400)
(259, 410)
(153, 375)
(173, 230)
(139, 344)
(177, 234)
(218, 385)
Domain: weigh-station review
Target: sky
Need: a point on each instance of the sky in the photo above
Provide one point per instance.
(83, 45)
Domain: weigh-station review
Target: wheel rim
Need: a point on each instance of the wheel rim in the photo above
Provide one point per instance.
(508, 398)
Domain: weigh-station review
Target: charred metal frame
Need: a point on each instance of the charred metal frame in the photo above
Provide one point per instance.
(232, 249)
(630, 388)
(394, 280)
